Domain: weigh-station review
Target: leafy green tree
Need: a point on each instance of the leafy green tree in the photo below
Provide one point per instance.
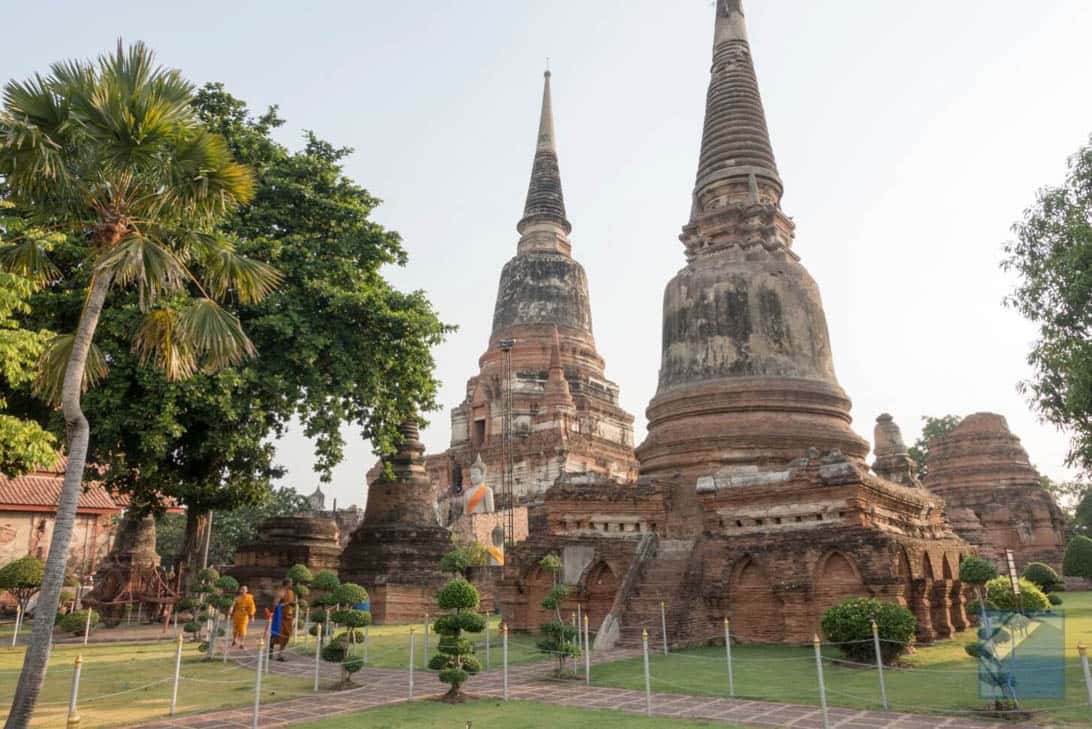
(22, 578)
(1077, 561)
(1082, 513)
(1052, 256)
(559, 639)
(112, 153)
(933, 428)
(24, 444)
(350, 347)
(455, 660)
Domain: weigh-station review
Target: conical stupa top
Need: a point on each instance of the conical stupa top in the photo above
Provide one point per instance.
(735, 145)
(545, 201)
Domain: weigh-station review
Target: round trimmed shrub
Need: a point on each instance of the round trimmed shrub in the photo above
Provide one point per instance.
(300, 575)
(75, 621)
(1032, 599)
(1042, 575)
(192, 626)
(458, 595)
(227, 584)
(1054, 598)
(349, 594)
(850, 624)
(186, 603)
(326, 581)
(351, 618)
(976, 570)
(1078, 558)
(208, 575)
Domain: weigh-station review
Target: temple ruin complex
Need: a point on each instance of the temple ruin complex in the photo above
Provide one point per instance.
(754, 501)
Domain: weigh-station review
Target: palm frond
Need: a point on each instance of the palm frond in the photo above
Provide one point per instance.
(228, 272)
(133, 108)
(147, 264)
(161, 341)
(215, 334)
(204, 180)
(29, 259)
(49, 380)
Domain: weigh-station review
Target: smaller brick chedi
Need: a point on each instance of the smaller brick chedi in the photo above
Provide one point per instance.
(281, 542)
(541, 389)
(395, 552)
(754, 501)
(992, 493)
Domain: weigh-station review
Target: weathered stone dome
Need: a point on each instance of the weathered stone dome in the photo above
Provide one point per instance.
(747, 375)
(542, 288)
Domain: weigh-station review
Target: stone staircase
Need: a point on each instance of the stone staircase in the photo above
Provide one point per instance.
(661, 579)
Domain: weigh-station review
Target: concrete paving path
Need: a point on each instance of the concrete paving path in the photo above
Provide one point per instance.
(386, 687)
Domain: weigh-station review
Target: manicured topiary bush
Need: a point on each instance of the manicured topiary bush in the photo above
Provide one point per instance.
(1032, 599)
(455, 661)
(849, 623)
(227, 585)
(975, 607)
(1042, 575)
(1054, 598)
(76, 621)
(22, 578)
(342, 649)
(1078, 558)
(300, 575)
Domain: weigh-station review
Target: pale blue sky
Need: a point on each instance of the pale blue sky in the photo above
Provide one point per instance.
(910, 135)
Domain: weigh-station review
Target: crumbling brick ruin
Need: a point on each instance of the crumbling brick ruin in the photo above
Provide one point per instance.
(992, 493)
(541, 375)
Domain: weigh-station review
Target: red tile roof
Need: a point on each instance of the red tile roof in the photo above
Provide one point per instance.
(43, 489)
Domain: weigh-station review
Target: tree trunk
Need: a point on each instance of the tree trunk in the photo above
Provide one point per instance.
(193, 544)
(78, 431)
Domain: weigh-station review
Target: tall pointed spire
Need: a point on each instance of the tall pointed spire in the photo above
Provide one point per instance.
(545, 201)
(735, 146)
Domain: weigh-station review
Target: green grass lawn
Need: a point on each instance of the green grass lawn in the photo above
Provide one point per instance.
(485, 714)
(940, 677)
(388, 646)
(114, 686)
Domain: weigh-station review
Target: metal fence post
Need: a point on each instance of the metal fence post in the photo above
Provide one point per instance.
(226, 647)
(412, 641)
(488, 656)
(73, 713)
(504, 633)
(177, 673)
(307, 628)
(728, 657)
(87, 626)
(318, 652)
(424, 658)
(258, 686)
(822, 685)
(879, 663)
(18, 620)
(587, 654)
(648, 676)
(1084, 667)
(579, 623)
(663, 624)
(365, 644)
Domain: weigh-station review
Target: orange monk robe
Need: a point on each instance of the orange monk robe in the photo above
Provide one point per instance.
(288, 618)
(242, 610)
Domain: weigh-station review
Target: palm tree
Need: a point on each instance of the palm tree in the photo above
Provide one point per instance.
(112, 153)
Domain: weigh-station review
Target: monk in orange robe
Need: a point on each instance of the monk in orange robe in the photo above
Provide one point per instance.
(284, 618)
(242, 612)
